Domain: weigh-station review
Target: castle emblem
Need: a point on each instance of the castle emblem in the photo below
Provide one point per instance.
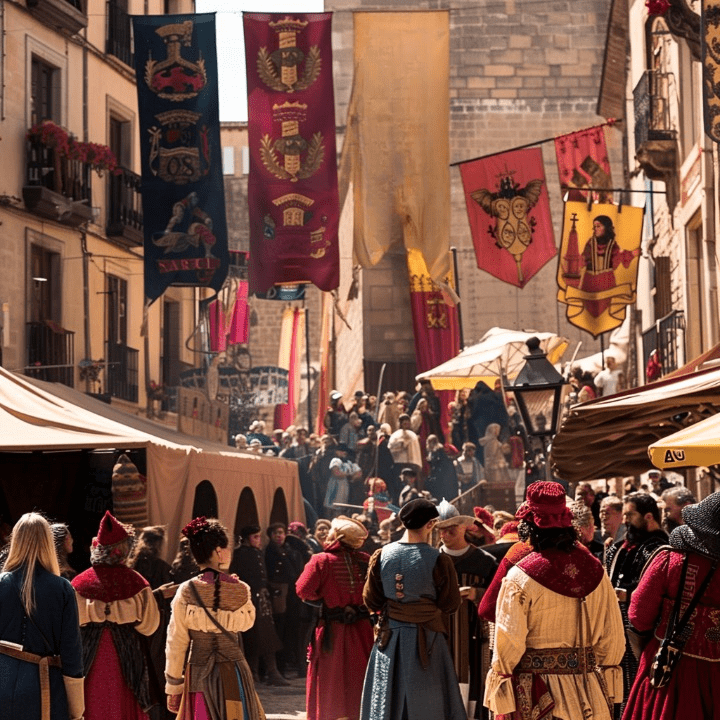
(179, 149)
(301, 159)
(175, 78)
(279, 70)
(297, 213)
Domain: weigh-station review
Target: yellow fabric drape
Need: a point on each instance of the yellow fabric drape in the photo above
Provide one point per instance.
(398, 125)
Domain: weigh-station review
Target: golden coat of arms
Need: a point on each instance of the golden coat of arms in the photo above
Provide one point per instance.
(279, 69)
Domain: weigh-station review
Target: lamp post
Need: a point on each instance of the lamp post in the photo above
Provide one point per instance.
(538, 391)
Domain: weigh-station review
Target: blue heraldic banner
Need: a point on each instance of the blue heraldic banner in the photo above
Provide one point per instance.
(182, 181)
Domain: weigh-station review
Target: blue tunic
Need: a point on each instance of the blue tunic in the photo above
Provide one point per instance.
(396, 686)
(55, 617)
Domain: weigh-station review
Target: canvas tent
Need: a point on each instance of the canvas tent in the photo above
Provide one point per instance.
(500, 353)
(184, 474)
(609, 437)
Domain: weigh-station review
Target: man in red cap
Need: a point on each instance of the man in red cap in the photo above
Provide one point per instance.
(558, 634)
(115, 607)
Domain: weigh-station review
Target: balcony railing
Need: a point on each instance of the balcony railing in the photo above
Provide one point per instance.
(68, 15)
(125, 220)
(45, 168)
(652, 111)
(122, 371)
(50, 353)
(118, 33)
(667, 336)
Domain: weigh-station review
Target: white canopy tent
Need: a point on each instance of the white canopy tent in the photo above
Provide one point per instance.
(500, 353)
(38, 416)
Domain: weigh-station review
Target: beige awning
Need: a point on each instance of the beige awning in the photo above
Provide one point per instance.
(500, 353)
(609, 437)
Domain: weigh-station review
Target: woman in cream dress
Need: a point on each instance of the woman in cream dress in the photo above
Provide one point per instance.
(214, 681)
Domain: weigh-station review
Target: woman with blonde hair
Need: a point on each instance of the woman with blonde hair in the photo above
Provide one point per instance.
(41, 662)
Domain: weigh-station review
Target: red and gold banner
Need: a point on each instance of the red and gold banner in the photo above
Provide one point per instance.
(598, 264)
(509, 214)
(292, 186)
(292, 342)
(583, 162)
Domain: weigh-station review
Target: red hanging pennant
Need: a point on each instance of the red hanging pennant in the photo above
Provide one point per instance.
(509, 214)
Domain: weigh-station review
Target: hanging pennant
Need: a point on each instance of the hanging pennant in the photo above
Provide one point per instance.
(182, 181)
(598, 264)
(509, 213)
(292, 185)
(583, 162)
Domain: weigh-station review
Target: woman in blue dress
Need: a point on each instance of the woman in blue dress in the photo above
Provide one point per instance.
(39, 630)
(414, 589)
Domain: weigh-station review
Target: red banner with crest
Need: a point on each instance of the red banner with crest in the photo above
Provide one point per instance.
(509, 213)
(583, 162)
(292, 186)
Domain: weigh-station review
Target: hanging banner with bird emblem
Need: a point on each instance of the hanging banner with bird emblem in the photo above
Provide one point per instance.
(509, 213)
(182, 183)
(292, 186)
(598, 264)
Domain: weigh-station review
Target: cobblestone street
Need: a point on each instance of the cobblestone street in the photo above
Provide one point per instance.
(283, 703)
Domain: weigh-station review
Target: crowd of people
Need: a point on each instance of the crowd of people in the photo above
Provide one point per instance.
(596, 606)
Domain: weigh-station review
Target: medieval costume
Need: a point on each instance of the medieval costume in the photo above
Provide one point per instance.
(442, 481)
(260, 640)
(625, 561)
(469, 635)
(117, 611)
(559, 639)
(342, 641)
(414, 588)
(216, 683)
(693, 691)
(41, 653)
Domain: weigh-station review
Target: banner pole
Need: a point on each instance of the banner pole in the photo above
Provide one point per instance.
(453, 250)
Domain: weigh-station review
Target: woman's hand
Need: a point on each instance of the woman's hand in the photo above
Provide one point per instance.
(173, 703)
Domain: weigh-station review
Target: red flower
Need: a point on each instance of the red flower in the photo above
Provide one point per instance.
(657, 7)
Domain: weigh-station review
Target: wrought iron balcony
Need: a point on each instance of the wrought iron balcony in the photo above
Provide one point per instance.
(125, 220)
(118, 29)
(50, 352)
(656, 149)
(122, 371)
(57, 188)
(667, 336)
(67, 15)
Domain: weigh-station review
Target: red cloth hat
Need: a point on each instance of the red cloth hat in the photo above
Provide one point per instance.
(110, 531)
(509, 528)
(545, 505)
(484, 517)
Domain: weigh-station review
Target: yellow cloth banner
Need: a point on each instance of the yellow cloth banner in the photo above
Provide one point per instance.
(398, 126)
(598, 266)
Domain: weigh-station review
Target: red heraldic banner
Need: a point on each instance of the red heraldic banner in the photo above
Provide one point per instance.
(583, 162)
(292, 187)
(598, 265)
(509, 214)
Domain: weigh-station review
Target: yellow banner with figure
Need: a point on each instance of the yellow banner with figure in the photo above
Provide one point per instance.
(598, 265)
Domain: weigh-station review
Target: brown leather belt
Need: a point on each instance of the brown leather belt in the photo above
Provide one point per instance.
(43, 663)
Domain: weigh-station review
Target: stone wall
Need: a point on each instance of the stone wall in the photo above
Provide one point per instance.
(520, 71)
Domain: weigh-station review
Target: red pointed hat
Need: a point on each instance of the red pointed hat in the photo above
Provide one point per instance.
(545, 505)
(111, 531)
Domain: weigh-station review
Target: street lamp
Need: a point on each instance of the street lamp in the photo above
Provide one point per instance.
(538, 391)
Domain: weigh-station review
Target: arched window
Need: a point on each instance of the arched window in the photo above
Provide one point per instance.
(205, 502)
(247, 512)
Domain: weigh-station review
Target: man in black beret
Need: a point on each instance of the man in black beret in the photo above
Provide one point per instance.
(413, 625)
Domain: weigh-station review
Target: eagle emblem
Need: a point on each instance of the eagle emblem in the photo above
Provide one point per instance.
(510, 205)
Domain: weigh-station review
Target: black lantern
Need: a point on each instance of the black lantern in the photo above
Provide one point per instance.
(538, 391)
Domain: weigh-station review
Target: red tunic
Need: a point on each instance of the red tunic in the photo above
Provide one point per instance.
(335, 679)
(693, 692)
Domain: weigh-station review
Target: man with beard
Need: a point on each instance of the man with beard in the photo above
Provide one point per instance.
(674, 499)
(625, 561)
(469, 635)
